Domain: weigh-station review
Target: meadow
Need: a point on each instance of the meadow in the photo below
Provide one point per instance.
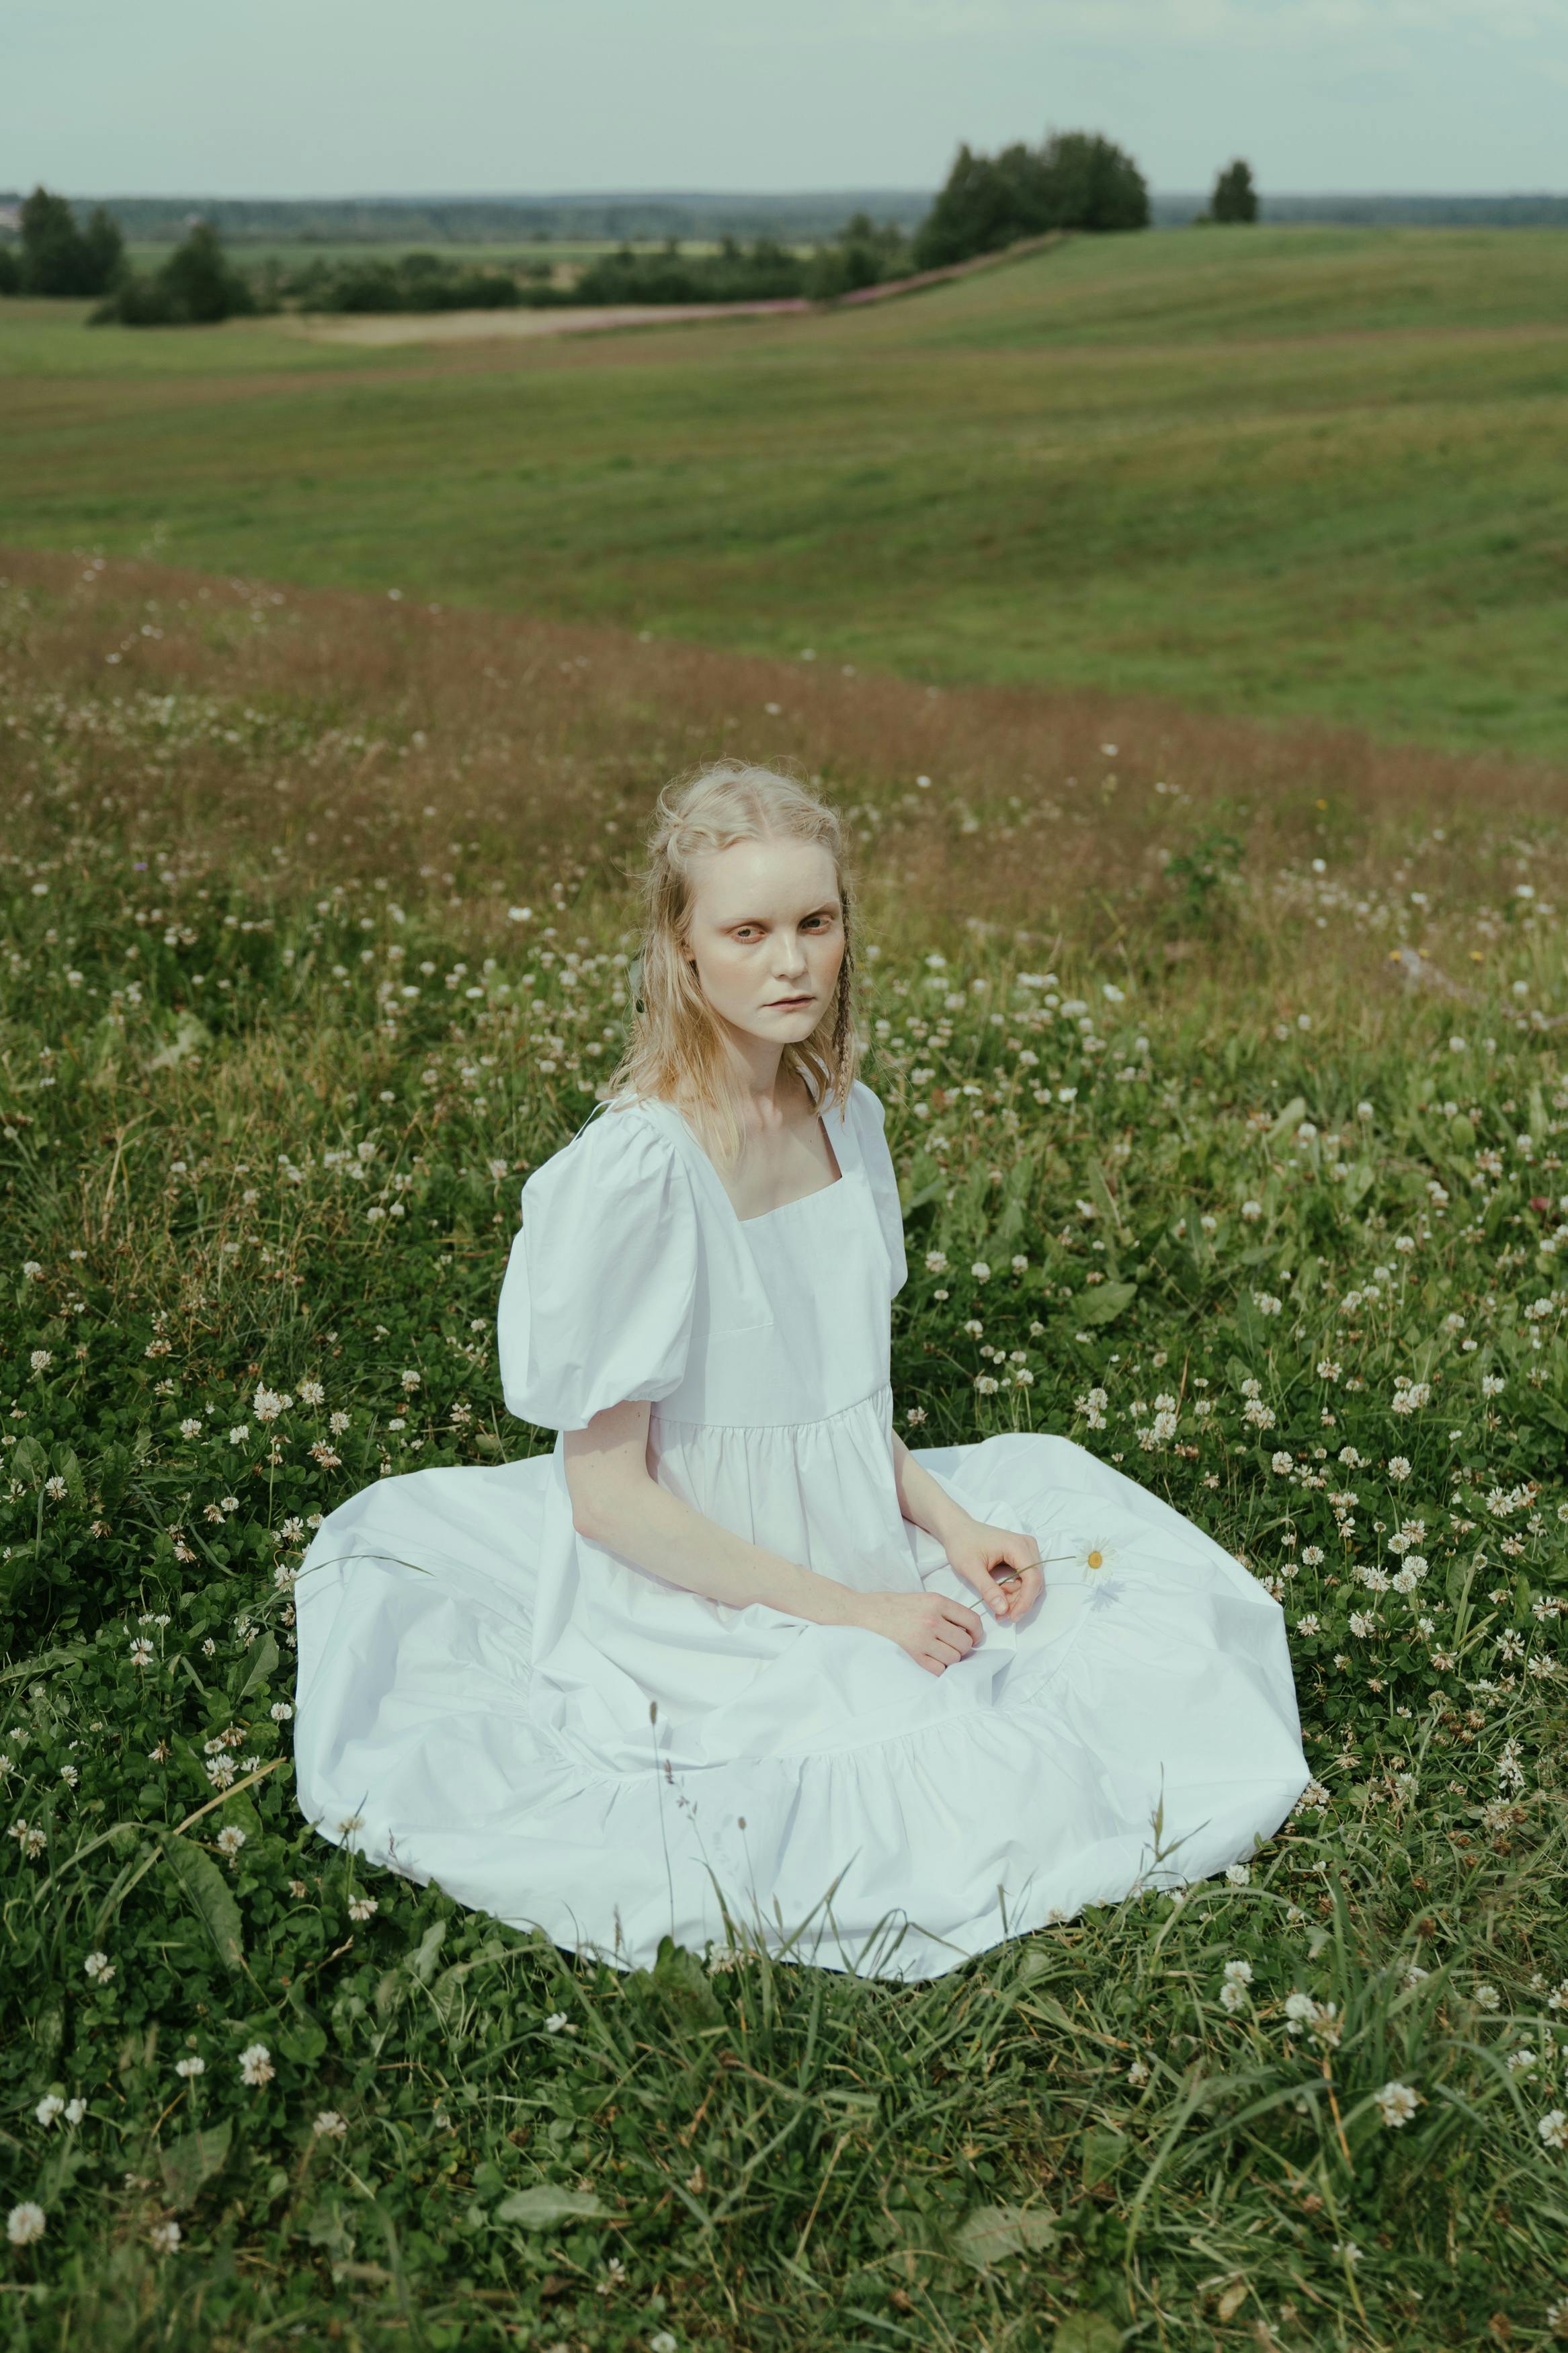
(1287, 472)
(1225, 1075)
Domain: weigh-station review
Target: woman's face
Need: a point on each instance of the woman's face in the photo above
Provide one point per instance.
(766, 936)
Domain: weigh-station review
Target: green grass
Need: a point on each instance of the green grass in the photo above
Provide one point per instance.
(1287, 472)
(1261, 1183)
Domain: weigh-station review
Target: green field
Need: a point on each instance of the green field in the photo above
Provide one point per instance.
(254, 916)
(1281, 472)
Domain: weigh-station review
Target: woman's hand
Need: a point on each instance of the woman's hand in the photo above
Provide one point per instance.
(1003, 1568)
(934, 1630)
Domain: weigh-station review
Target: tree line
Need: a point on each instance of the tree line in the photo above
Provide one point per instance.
(1073, 181)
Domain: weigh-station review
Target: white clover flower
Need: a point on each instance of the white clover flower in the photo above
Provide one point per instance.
(936, 1262)
(280, 1711)
(1399, 1467)
(1282, 1462)
(1238, 1873)
(40, 1360)
(267, 1405)
(164, 2237)
(1231, 1997)
(239, 1433)
(25, 2223)
(555, 2021)
(364, 1907)
(1397, 2103)
(231, 1839)
(1252, 1211)
(99, 1968)
(1019, 1263)
(1238, 1973)
(50, 2107)
(256, 2066)
(663, 2341)
(1492, 1385)
(75, 2111)
(1137, 2073)
(329, 2124)
(190, 2067)
(1553, 2129)
(191, 1427)
(980, 1271)
(1487, 1997)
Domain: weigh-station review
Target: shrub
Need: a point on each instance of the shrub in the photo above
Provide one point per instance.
(197, 286)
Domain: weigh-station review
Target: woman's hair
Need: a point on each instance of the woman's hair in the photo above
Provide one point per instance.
(677, 1049)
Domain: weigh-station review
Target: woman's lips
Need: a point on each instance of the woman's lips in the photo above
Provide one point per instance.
(788, 1004)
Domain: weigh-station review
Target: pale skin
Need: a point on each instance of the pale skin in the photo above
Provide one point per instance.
(766, 938)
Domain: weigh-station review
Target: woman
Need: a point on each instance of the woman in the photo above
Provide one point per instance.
(734, 1661)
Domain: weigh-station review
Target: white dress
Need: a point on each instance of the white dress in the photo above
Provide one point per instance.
(488, 1700)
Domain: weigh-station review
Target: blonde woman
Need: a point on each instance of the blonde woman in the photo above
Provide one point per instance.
(734, 1662)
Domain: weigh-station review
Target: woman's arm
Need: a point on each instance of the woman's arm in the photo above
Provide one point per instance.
(616, 1503)
(1004, 1567)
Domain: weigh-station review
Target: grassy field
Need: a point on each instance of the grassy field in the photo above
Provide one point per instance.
(1284, 473)
(1246, 1041)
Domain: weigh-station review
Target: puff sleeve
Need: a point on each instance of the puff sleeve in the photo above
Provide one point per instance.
(878, 1162)
(596, 1304)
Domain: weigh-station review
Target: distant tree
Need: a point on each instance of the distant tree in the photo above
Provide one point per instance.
(1091, 183)
(197, 286)
(201, 281)
(58, 257)
(1076, 179)
(1235, 198)
(10, 270)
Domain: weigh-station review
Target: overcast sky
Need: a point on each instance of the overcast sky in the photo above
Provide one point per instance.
(393, 97)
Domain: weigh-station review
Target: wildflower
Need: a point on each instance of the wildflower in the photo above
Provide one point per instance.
(1283, 1463)
(1252, 1211)
(40, 1360)
(30, 1838)
(25, 2223)
(1238, 1973)
(256, 2066)
(239, 1433)
(50, 2107)
(1397, 2103)
(1137, 2073)
(936, 1262)
(1553, 2129)
(1399, 1467)
(363, 1907)
(231, 1839)
(164, 2237)
(1238, 1873)
(980, 1271)
(99, 1968)
(1492, 1385)
(75, 2111)
(190, 1427)
(338, 1422)
(663, 2342)
(330, 2126)
(410, 1381)
(555, 2021)
(1266, 1303)
(280, 1711)
(190, 2067)
(1487, 1997)
(142, 1651)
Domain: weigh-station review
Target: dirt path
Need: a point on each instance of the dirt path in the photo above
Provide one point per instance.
(507, 326)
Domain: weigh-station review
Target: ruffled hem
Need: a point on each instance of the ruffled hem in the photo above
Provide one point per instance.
(1139, 1731)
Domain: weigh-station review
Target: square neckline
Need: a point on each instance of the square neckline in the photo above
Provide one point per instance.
(779, 1208)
